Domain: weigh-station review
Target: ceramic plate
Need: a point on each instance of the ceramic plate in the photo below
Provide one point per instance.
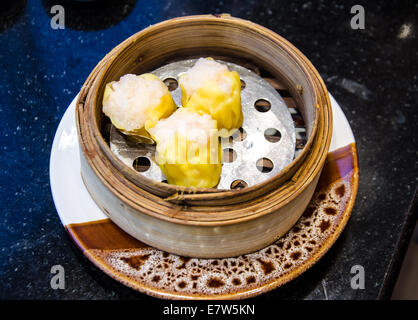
(169, 276)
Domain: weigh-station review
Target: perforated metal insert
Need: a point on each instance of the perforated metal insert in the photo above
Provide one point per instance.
(265, 146)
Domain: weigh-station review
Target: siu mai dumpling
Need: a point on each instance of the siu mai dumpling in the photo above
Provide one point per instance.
(209, 87)
(135, 100)
(187, 148)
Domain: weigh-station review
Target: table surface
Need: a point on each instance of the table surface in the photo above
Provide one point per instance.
(372, 73)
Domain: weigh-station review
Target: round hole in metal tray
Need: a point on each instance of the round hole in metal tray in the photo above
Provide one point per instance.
(171, 84)
(141, 164)
(238, 184)
(243, 84)
(264, 165)
(272, 135)
(262, 105)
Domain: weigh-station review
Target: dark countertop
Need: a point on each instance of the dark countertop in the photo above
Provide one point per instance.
(372, 73)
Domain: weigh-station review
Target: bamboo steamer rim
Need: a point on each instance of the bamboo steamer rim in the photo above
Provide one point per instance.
(96, 150)
(188, 193)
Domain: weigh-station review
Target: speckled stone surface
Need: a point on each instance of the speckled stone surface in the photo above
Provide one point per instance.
(372, 73)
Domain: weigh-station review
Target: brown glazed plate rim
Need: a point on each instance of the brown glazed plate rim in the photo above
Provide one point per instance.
(66, 144)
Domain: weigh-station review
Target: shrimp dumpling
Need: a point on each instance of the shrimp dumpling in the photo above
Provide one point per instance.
(187, 149)
(135, 100)
(209, 87)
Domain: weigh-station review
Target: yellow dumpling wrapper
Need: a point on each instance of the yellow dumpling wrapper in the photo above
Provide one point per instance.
(135, 100)
(209, 87)
(187, 149)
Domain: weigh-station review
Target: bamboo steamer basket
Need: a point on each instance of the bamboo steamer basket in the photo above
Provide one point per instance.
(208, 223)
